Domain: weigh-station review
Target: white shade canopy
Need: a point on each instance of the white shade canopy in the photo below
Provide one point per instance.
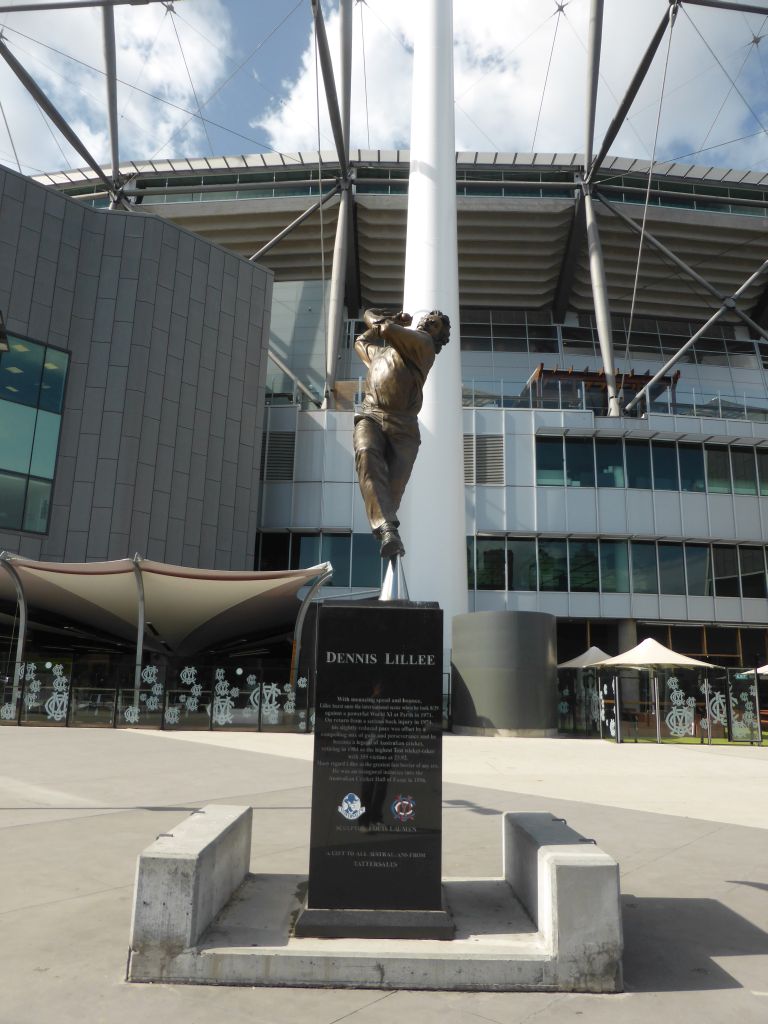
(762, 671)
(593, 656)
(651, 653)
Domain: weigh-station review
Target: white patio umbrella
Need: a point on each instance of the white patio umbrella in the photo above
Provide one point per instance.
(593, 656)
(650, 654)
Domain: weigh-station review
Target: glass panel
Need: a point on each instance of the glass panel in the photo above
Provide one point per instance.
(471, 563)
(38, 505)
(336, 548)
(366, 561)
(638, 464)
(762, 465)
(580, 461)
(743, 693)
(549, 461)
(644, 579)
(698, 563)
(46, 693)
(717, 694)
(17, 430)
(583, 565)
(638, 707)
(20, 369)
(521, 564)
(274, 551)
(610, 463)
(490, 563)
(726, 570)
(305, 550)
(671, 569)
(183, 710)
(752, 572)
(691, 467)
(553, 565)
(614, 567)
(682, 704)
(664, 466)
(54, 376)
(744, 471)
(283, 709)
(93, 709)
(718, 470)
(45, 445)
(12, 491)
(9, 698)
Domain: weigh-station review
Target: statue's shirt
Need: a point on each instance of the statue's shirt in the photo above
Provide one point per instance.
(399, 359)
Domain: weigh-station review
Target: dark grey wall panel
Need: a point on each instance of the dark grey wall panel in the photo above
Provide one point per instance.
(505, 672)
(167, 333)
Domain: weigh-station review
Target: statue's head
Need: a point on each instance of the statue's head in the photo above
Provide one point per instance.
(437, 325)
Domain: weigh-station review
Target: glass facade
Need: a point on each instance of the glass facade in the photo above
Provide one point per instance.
(32, 380)
(354, 556)
(616, 566)
(657, 465)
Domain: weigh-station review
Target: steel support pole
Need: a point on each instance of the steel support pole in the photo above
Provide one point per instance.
(72, 5)
(728, 305)
(434, 530)
(21, 639)
(629, 97)
(298, 629)
(341, 244)
(728, 6)
(593, 75)
(110, 66)
(326, 67)
(693, 274)
(600, 299)
(140, 627)
(294, 224)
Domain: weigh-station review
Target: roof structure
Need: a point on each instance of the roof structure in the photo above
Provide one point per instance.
(650, 653)
(184, 610)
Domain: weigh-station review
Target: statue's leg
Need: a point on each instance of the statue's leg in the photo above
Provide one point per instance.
(402, 449)
(373, 472)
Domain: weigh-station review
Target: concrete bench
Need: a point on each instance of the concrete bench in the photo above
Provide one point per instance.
(185, 878)
(570, 889)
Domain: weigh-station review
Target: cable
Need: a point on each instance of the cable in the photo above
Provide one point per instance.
(672, 18)
(546, 77)
(365, 73)
(10, 139)
(129, 97)
(472, 120)
(732, 86)
(189, 76)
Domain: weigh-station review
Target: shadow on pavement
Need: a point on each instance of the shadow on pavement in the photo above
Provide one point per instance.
(669, 944)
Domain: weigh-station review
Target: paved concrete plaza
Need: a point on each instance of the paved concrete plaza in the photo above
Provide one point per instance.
(688, 825)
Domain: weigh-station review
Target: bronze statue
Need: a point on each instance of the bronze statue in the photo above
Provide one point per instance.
(386, 438)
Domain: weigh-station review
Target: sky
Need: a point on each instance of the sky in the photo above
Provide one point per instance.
(249, 66)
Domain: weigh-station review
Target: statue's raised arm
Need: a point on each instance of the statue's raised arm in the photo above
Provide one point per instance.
(386, 440)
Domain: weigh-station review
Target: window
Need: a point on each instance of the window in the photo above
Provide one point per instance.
(614, 567)
(752, 572)
(305, 550)
(585, 576)
(698, 563)
(644, 576)
(12, 494)
(610, 463)
(665, 476)
(726, 570)
(638, 464)
(490, 563)
(521, 564)
(274, 551)
(762, 465)
(471, 563)
(744, 471)
(671, 569)
(336, 549)
(549, 461)
(580, 461)
(691, 467)
(718, 470)
(553, 565)
(366, 561)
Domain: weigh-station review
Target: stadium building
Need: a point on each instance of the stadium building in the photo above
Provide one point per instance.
(166, 395)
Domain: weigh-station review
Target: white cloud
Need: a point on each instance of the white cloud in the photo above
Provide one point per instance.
(148, 56)
(502, 49)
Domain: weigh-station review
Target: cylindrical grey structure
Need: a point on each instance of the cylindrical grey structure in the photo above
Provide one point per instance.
(504, 674)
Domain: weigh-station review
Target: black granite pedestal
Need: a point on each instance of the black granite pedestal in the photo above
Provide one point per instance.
(376, 832)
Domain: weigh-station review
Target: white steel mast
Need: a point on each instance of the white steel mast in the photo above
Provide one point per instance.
(434, 528)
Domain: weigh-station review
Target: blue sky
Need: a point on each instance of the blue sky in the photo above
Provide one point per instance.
(520, 68)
